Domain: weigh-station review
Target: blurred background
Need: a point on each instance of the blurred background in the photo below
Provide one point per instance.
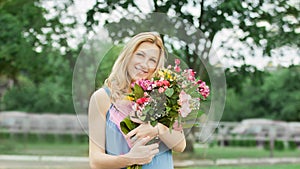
(257, 43)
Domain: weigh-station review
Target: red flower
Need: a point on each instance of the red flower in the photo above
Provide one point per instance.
(158, 83)
(166, 83)
(142, 100)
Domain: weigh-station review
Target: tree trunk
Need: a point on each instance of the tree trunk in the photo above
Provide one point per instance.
(189, 146)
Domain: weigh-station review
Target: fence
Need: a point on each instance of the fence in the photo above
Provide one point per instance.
(258, 130)
(39, 125)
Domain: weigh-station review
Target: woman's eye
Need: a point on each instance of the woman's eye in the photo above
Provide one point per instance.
(153, 60)
(140, 54)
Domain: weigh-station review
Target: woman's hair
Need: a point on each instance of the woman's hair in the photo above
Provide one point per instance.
(119, 80)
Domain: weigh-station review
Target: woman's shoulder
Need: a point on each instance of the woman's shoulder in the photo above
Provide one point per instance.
(102, 98)
(101, 93)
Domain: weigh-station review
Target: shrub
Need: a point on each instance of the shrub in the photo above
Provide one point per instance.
(292, 145)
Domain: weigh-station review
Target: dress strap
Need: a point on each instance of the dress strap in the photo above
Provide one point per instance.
(107, 90)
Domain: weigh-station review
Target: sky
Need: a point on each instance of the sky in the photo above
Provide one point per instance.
(284, 56)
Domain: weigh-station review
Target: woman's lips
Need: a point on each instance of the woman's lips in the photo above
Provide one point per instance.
(141, 70)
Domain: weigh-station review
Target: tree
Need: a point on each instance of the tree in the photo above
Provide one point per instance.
(282, 94)
(275, 98)
(258, 23)
(267, 24)
(36, 55)
(29, 38)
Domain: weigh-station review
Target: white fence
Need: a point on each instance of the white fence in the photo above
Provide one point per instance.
(253, 129)
(41, 124)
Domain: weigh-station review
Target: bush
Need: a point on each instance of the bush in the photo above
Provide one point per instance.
(278, 145)
(242, 143)
(45, 97)
(292, 145)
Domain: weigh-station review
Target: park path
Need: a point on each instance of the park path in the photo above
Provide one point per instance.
(63, 162)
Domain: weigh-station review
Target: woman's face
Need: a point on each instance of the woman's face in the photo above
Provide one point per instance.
(144, 61)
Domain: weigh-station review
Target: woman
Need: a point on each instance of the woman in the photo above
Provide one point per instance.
(141, 57)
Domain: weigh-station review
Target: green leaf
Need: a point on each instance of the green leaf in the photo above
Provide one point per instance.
(153, 123)
(169, 92)
(147, 109)
(143, 118)
(138, 91)
(124, 127)
(127, 125)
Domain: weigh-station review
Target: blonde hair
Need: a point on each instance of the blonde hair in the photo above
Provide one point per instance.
(119, 80)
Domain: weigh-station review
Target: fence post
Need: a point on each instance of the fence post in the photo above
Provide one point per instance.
(272, 134)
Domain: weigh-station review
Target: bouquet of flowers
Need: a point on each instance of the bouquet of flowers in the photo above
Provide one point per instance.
(171, 97)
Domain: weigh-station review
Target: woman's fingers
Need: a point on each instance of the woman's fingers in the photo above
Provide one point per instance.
(131, 133)
(154, 152)
(153, 149)
(152, 146)
(142, 141)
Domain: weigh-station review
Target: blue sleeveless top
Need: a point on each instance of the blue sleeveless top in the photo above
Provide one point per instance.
(115, 144)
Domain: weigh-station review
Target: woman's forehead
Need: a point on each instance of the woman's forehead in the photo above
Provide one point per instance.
(148, 47)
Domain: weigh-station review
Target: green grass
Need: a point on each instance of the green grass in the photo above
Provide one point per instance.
(81, 149)
(277, 166)
(234, 152)
(59, 149)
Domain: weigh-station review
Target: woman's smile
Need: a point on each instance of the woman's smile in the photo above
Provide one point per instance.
(144, 61)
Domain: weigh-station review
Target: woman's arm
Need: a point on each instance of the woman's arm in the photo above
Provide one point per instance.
(175, 140)
(98, 106)
(139, 154)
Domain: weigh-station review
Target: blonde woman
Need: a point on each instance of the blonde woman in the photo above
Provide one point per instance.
(108, 147)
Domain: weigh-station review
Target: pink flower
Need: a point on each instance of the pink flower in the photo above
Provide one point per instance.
(145, 84)
(191, 75)
(177, 126)
(177, 68)
(185, 109)
(203, 89)
(161, 90)
(177, 61)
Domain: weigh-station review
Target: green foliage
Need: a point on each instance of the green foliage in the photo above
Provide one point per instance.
(278, 145)
(127, 125)
(242, 143)
(35, 56)
(36, 138)
(37, 98)
(283, 94)
(275, 95)
(249, 17)
(138, 91)
(107, 63)
(292, 145)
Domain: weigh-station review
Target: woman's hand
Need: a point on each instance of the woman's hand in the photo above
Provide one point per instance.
(142, 131)
(141, 153)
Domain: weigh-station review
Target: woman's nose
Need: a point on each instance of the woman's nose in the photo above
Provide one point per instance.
(144, 64)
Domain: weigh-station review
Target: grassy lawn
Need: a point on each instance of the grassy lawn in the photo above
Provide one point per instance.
(81, 149)
(277, 166)
(59, 149)
(234, 152)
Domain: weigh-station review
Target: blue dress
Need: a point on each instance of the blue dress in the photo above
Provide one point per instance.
(115, 144)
